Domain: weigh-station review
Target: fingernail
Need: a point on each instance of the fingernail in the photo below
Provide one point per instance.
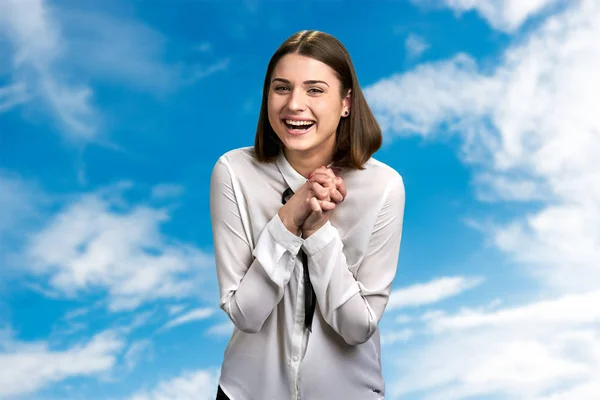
(310, 175)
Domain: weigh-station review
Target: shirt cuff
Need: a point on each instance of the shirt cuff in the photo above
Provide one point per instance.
(283, 236)
(319, 239)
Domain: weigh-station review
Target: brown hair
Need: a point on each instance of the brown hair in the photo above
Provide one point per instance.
(358, 136)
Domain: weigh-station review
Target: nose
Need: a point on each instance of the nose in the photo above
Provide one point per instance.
(297, 101)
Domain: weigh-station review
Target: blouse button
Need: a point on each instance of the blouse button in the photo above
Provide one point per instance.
(296, 358)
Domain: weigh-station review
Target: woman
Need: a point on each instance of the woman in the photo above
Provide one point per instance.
(307, 229)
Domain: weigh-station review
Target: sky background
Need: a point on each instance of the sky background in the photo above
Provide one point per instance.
(113, 114)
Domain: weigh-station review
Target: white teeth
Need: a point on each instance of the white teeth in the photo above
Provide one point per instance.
(299, 123)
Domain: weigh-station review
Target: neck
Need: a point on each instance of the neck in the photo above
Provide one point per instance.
(306, 162)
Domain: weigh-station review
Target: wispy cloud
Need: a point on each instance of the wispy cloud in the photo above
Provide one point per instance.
(204, 71)
(541, 350)
(415, 45)
(20, 204)
(190, 316)
(403, 319)
(118, 50)
(165, 191)
(389, 338)
(431, 292)
(12, 95)
(506, 15)
(175, 309)
(36, 37)
(197, 385)
(138, 351)
(496, 188)
(29, 367)
(221, 329)
(17, 201)
(61, 53)
(203, 47)
(573, 309)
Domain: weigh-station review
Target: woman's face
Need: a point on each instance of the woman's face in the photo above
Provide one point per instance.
(304, 104)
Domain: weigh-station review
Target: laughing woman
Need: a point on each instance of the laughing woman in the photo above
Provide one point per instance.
(307, 228)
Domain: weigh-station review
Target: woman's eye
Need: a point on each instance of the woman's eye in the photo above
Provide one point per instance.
(315, 90)
(280, 88)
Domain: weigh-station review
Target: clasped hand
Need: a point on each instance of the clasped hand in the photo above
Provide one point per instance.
(311, 206)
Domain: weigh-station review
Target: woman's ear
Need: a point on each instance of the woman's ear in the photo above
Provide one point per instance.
(347, 103)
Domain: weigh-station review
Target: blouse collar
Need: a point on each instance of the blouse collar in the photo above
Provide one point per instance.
(293, 178)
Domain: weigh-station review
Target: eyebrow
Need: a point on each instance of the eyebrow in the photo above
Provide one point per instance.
(309, 82)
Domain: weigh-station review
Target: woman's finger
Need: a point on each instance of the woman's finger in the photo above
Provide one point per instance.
(320, 175)
(324, 180)
(340, 186)
(319, 191)
(322, 170)
(327, 205)
(336, 196)
(314, 205)
(327, 182)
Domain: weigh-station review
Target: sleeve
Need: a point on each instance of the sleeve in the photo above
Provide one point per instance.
(353, 306)
(251, 281)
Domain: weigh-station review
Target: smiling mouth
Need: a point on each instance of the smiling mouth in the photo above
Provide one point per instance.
(298, 125)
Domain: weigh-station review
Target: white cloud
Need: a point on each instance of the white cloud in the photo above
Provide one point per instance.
(203, 47)
(560, 244)
(419, 101)
(431, 292)
(33, 29)
(30, 367)
(495, 188)
(175, 309)
(190, 316)
(13, 95)
(586, 390)
(20, 201)
(221, 329)
(164, 191)
(99, 242)
(59, 53)
(389, 338)
(117, 50)
(532, 351)
(78, 312)
(138, 351)
(126, 52)
(204, 71)
(138, 320)
(572, 310)
(16, 201)
(504, 15)
(531, 124)
(191, 385)
(415, 45)
(403, 319)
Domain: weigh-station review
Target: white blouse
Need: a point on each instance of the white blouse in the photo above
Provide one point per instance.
(352, 261)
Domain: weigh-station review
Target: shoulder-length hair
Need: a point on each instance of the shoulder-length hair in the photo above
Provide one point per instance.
(358, 136)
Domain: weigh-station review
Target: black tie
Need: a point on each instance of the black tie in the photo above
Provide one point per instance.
(310, 300)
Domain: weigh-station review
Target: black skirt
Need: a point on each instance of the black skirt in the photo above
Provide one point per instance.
(221, 395)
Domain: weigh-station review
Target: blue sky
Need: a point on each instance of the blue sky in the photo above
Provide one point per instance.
(112, 115)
